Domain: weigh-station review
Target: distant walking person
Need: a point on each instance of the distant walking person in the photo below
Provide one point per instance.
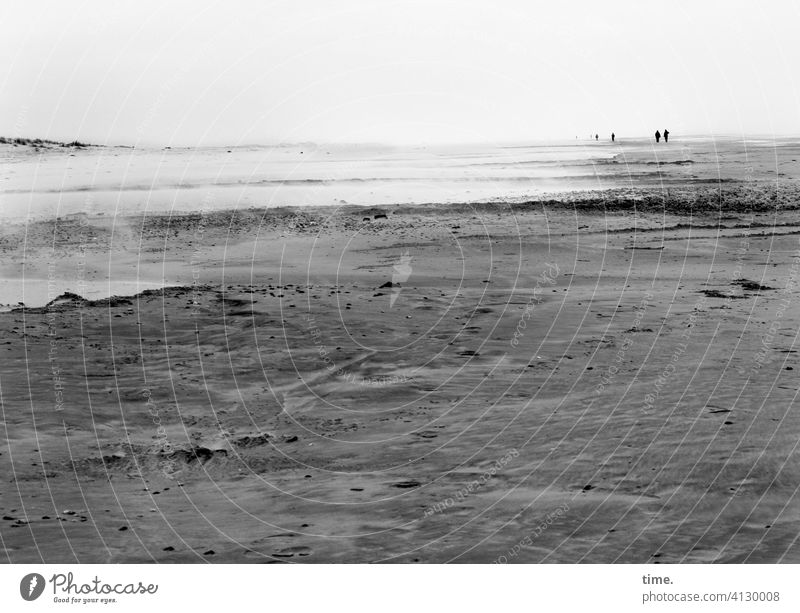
(658, 136)
(613, 136)
(666, 135)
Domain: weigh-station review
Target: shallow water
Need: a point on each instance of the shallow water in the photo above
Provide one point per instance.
(117, 180)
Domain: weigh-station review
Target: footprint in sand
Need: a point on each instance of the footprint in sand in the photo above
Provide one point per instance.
(425, 434)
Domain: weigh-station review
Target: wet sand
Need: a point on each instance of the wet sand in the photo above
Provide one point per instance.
(602, 378)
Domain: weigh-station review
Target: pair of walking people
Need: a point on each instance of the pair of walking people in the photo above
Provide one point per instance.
(666, 136)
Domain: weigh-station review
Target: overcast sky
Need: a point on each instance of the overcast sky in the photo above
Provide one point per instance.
(194, 73)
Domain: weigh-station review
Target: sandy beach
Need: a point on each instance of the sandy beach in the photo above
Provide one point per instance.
(602, 374)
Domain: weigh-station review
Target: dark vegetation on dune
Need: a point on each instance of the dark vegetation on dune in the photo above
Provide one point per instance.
(41, 142)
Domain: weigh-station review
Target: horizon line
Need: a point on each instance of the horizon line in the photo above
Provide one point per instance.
(401, 144)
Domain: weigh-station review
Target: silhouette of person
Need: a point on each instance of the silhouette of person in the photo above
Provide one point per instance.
(596, 137)
(666, 135)
(613, 136)
(658, 136)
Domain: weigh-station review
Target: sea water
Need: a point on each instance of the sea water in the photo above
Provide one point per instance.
(123, 180)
